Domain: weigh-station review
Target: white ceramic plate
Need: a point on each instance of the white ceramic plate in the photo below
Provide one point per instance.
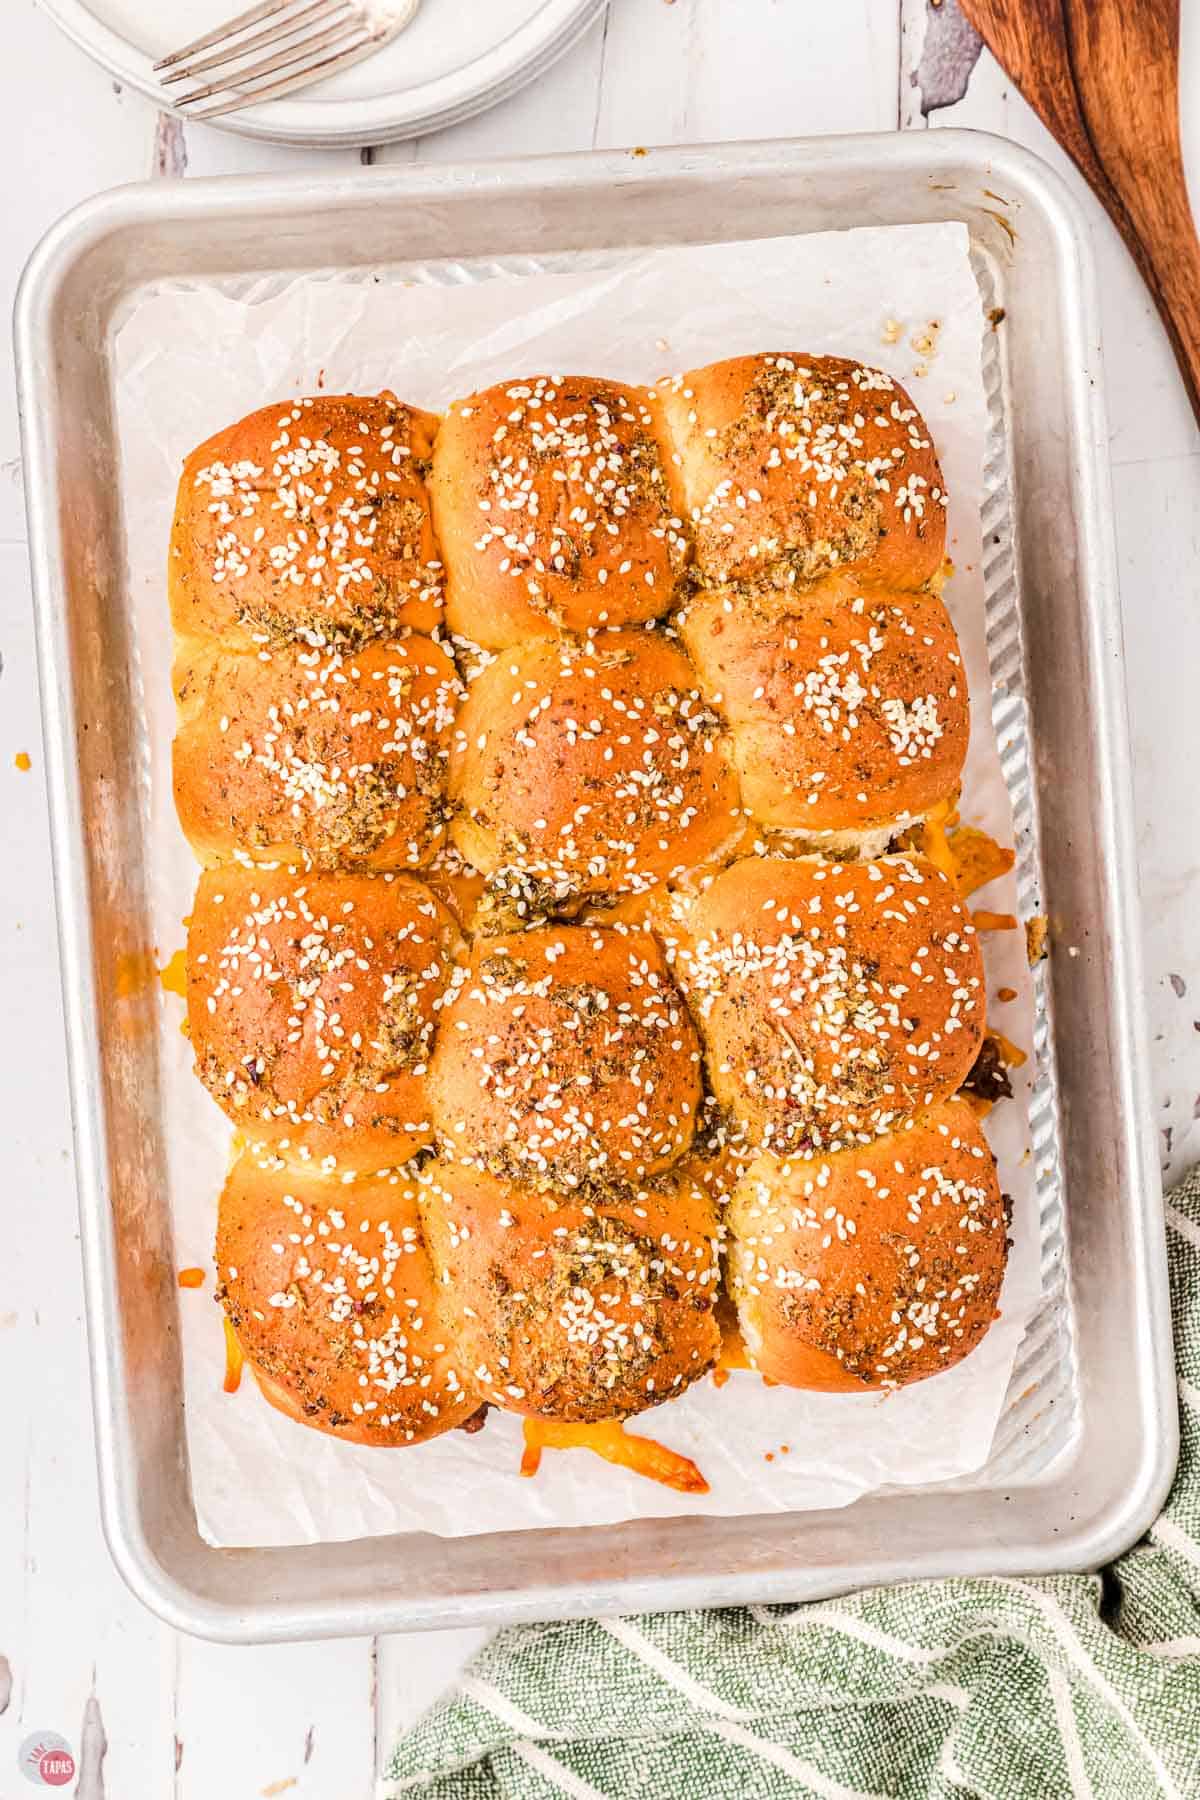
(455, 59)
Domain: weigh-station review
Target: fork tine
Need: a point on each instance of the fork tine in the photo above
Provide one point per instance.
(288, 83)
(265, 10)
(246, 79)
(273, 34)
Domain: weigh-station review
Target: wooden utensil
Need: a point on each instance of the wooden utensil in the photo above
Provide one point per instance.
(1103, 76)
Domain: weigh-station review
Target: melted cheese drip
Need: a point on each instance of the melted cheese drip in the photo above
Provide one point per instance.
(1010, 1055)
(934, 840)
(971, 859)
(610, 1440)
(979, 857)
(235, 1356)
(963, 853)
(173, 974)
(993, 921)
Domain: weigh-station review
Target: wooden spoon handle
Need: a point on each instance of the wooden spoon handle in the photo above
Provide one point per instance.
(1125, 62)
(1110, 108)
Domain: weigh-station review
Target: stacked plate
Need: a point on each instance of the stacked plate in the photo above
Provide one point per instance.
(457, 58)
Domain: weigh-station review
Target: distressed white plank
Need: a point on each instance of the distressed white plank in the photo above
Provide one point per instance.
(252, 1721)
(66, 135)
(1158, 533)
(658, 73)
(556, 112)
(68, 1627)
(207, 151)
(414, 1672)
(703, 70)
(938, 51)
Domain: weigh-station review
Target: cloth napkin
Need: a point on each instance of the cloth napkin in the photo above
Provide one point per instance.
(1074, 1685)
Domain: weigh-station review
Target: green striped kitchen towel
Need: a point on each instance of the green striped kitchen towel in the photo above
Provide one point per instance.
(1076, 1685)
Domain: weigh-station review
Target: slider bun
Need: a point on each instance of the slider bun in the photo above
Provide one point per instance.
(308, 519)
(554, 510)
(833, 999)
(849, 711)
(592, 768)
(312, 1002)
(568, 1054)
(575, 1307)
(874, 1266)
(330, 758)
(330, 1289)
(794, 465)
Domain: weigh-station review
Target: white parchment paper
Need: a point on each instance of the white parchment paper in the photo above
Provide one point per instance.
(192, 359)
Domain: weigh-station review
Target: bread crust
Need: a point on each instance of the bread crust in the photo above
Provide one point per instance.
(834, 1000)
(566, 1053)
(331, 1292)
(312, 1003)
(588, 1306)
(794, 465)
(848, 711)
(874, 1266)
(554, 506)
(308, 519)
(592, 768)
(323, 758)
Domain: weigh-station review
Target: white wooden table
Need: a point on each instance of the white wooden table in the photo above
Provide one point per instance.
(193, 1720)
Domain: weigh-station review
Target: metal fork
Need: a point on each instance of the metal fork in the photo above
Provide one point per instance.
(305, 41)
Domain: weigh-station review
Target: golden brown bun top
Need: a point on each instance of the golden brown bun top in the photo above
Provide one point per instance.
(312, 1003)
(554, 509)
(873, 1267)
(308, 519)
(328, 758)
(794, 465)
(834, 999)
(589, 1306)
(849, 708)
(594, 768)
(330, 1289)
(567, 1053)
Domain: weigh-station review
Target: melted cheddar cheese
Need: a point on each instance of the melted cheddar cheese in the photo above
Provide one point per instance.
(609, 1439)
(235, 1356)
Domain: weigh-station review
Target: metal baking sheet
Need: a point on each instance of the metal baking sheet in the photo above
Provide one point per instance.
(1087, 1442)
